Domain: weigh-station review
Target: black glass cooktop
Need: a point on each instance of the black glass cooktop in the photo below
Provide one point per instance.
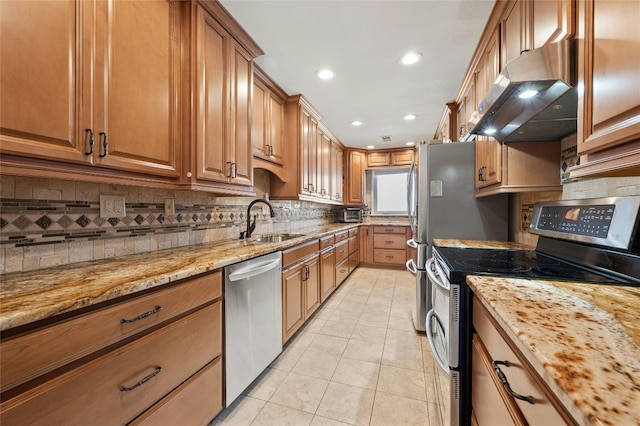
(513, 263)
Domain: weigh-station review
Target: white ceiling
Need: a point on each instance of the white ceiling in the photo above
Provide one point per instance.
(363, 41)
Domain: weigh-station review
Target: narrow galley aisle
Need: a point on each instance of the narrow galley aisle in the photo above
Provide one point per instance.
(357, 361)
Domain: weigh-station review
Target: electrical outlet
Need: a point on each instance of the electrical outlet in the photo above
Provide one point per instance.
(169, 206)
(112, 206)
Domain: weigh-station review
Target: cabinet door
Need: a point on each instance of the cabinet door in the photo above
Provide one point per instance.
(276, 128)
(375, 159)
(337, 159)
(212, 161)
(305, 167)
(514, 39)
(326, 166)
(292, 300)
(366, 244)
(488, 162)
(609, 114)
(259, 120)
(327, 273)
(312, 286)
(312, 141)
(137, 89)
(44, 98)
(239, 134)
(355, 167)
(402, 158)
(552, 21)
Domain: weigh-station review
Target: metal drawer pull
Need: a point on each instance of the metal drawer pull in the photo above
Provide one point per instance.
(91, 141)
(506, 384)
(143, 381)
(105, 145)
(142, 316)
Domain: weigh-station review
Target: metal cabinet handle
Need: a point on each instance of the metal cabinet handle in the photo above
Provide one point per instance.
(142, 316)
(506, 384)
(157, 371)
(388, 242)
(311, 188)
(105, 145)
(91, 141)
(233, 170)
(481, 170)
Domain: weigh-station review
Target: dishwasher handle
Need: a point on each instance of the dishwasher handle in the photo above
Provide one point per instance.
(253, 270)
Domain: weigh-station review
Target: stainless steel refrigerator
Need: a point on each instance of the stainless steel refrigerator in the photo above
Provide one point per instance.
(442, 204)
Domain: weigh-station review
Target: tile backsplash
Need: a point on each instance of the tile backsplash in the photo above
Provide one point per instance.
(47, 222)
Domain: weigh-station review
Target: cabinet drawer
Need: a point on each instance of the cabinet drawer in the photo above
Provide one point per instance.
(342, 271)
(341, 236)
(196, 402)
(388, 256)
(55, 345)
(326, 242)
(389, 230)
(392, 241)
(353, 232)
(354, 244)
(93, 390)
(299, 252)
(342, 251)
(521, 377)
(354, 259)
(491, 404)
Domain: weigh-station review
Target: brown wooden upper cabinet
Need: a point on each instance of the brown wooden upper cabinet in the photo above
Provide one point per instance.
(355, 164)
(92, 84)
(221, 151)
(267, 123)
(609, 111)
(390, 158)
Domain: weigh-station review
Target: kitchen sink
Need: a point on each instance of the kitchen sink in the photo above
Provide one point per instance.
(275, 238)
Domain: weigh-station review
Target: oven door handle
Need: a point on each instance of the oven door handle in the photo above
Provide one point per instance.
(434, 274)
(431, 316)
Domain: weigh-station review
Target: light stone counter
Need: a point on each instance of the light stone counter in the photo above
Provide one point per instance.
(582, 339)
(31, 296)
(504, 245)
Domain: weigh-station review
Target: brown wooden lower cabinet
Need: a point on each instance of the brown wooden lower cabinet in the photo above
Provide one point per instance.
(327, 273)
(130, 357)
(384, 245)
(342, 271)
(492, 403)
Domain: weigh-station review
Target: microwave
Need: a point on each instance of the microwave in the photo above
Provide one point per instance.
(351, 214)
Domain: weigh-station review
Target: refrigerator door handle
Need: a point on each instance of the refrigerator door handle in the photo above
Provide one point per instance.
(411, 266)
(411, 198)
(412, 243)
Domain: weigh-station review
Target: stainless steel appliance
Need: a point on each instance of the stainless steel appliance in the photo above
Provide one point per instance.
(595, 240)
(253, 320)
(442, 204)
(351, 214)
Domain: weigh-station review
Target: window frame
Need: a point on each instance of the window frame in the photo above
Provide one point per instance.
(374, 190)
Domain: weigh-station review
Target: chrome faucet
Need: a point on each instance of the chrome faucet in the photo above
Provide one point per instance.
(252, 226)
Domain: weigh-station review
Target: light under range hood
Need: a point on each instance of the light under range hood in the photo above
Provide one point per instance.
(547, 75)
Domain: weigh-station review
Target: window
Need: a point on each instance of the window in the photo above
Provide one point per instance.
(389, 195)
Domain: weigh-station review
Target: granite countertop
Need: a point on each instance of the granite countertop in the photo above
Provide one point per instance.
(504, 245)
(583, 339)
(26, 297)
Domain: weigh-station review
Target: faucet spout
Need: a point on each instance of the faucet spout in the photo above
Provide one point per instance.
(252, 226)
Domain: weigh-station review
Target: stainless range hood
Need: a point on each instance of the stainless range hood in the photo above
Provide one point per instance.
(533, 98)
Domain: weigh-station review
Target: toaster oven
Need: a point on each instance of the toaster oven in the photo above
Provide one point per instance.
(352, 214)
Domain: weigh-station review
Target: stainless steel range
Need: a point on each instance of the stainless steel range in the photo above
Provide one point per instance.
(594, 240)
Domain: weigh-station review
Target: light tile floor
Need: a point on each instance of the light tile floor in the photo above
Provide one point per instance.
(356, 361)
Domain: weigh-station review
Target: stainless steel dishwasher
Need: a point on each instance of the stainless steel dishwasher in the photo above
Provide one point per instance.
(253, 319)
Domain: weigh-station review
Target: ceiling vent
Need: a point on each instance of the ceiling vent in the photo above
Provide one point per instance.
(386, 138)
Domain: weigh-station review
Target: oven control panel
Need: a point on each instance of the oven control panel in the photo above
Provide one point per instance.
(586, 220)
(611, 222)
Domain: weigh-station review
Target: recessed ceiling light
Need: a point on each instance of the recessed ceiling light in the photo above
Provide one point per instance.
(411, 58)
(370, 146)
(325, 74)
(410, 117)
(356, 123)
(490, 131)
(410, 143)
